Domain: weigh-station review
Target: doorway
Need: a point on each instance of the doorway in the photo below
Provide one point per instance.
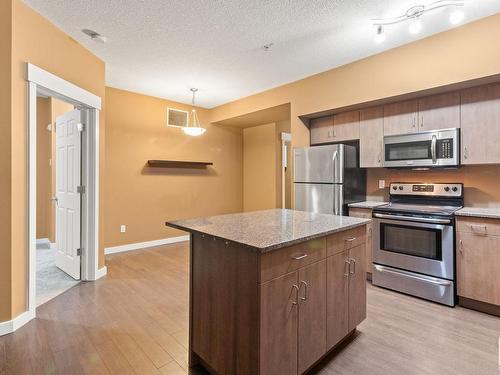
(58, 218)
(74, 205)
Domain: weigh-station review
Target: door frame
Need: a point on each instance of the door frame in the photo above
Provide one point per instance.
(41, 81)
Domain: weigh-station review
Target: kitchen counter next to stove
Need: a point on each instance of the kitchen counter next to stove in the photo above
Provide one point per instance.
(367, 204)
(486, 212)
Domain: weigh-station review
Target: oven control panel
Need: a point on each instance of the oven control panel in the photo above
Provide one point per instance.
(442, 190)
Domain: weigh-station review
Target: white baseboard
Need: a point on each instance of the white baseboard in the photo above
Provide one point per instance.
(143, 245)
(16, 323)
(101, 272)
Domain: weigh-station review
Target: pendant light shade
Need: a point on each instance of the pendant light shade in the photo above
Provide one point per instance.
(194, 128)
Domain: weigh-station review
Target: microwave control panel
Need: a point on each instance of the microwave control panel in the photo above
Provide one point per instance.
(444, 148)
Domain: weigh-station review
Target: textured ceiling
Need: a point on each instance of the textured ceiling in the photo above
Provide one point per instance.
(164, 47)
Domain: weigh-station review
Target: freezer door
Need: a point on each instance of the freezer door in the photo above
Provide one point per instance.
(319, 164)
(319, 198)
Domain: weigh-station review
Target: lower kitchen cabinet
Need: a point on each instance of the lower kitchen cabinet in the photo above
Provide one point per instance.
(312, 314)
(278, 325)
(307, 311)
(366, 213)
(346, 293)
(478, 260)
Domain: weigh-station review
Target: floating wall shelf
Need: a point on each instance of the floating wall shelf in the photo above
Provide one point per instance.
(178, 164)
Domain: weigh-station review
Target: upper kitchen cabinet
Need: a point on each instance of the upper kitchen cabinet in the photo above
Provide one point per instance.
(439, 112)
(321, 130)
(346, 126)
(481, 125)
(401, 117)
(371, 137)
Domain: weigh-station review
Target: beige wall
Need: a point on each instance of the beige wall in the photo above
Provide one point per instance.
(260, 175)
(34, 40)
(5, 158)
(144, 198)
(283, 127)
(480, 182)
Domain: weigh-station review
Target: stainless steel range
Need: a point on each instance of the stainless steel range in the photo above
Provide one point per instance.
(414, 249)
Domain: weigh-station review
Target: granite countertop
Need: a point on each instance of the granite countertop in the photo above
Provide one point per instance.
(485, 212)
(367, 204)
(270, 229)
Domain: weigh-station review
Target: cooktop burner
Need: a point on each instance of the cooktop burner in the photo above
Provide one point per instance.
(423, 199)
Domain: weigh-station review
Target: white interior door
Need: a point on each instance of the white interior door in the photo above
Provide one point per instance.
(68, 177)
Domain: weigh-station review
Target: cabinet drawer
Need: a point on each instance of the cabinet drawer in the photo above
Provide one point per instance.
(365, 213)
(288, 259)
(338, 242)
(478, 225)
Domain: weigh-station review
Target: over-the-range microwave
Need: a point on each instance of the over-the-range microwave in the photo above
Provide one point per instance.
(439, 148)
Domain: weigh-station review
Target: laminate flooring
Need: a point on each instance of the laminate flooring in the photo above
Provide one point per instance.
(135, 321)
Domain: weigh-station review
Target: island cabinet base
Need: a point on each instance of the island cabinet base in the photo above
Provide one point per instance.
(277, 312)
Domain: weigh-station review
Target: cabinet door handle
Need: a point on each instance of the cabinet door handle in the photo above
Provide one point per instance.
(347, 265)
(466, 153)
(354, 266)
(299, 257)
(294, 303)
(461, 247)
(306, 290)
(370, 232)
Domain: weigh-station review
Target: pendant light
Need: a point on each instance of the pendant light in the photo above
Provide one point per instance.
(195, 128)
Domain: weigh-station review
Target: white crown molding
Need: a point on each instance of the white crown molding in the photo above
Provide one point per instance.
(143, 245)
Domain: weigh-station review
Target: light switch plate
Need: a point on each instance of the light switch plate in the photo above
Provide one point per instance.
(123, 228)
(381, 184)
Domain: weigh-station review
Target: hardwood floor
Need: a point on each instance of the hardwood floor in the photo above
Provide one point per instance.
(135, 322)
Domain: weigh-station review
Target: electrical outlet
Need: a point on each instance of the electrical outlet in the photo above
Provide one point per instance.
(381, 184)
(123, 228)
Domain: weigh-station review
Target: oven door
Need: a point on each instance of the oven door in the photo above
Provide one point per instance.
(422, 247)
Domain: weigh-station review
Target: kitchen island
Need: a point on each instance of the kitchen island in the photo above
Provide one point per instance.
(272, 292)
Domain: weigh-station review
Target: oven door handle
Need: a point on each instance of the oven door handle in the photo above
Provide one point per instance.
(427, 279)
(417, 219)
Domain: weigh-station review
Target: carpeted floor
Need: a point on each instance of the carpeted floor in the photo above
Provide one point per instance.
(50, 280)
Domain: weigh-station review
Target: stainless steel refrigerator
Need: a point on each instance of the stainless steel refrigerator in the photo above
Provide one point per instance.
(328, 178)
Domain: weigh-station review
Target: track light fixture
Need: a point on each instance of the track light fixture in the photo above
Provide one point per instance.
(414, 16)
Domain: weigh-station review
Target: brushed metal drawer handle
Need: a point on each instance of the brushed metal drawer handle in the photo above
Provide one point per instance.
(297, 290)
(350, 239)
(299, 257)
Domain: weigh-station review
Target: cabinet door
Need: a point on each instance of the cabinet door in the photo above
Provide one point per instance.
(312, 314)
(365, 213)
(278, 325)
(346, 126)
(480, 125)
(439, 112)
(400, 118)
(357, 286)
(371, 137)
(337, 290)
(321, 130)
(478, 267)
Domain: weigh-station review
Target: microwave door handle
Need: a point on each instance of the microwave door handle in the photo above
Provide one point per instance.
(433, 149)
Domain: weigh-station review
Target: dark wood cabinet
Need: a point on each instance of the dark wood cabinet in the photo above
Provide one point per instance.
(312, 314)
(278, 312)
(278, 325)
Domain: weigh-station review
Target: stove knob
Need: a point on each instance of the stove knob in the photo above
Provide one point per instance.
(454, 188)
(446, 188)
(400, 188)
(394, 187)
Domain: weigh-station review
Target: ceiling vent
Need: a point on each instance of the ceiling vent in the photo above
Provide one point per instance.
(177, 118)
